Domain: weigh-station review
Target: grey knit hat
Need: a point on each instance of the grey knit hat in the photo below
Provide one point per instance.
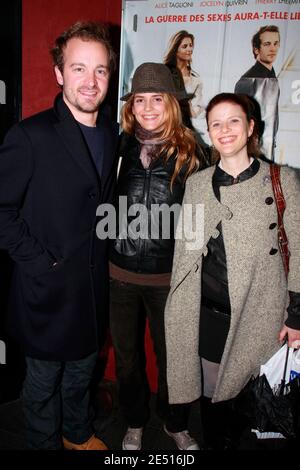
(151, 77)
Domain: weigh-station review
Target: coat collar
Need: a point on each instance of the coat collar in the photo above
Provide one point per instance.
(68, 130)
(221, 178)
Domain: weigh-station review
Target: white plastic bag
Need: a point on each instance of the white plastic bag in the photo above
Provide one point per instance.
(295, 365)
(274, 367)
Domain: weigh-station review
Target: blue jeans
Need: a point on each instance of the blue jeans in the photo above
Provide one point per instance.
(128, 304)
(56, 402)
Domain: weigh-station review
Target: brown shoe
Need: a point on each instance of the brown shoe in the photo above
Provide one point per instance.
(93, 443)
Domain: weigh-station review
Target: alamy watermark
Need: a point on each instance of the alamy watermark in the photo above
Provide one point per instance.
(159, 221)
(296, 94)
(2, 352)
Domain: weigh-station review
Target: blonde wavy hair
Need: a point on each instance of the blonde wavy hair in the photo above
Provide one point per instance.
(180, 141)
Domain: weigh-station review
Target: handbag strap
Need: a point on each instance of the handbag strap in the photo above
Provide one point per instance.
(279, 197)
(280, 204)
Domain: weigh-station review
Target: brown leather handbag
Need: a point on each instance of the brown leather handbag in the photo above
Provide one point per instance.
(280, 203)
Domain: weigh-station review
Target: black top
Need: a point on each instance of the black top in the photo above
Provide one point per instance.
(214, 272)
(95, 142)
(259, 71)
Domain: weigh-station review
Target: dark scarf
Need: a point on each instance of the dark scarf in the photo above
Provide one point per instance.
(151, 145)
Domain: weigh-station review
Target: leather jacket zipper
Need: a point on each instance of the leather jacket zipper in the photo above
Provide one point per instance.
(146, 189)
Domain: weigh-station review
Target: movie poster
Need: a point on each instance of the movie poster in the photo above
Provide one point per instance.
(222, 54)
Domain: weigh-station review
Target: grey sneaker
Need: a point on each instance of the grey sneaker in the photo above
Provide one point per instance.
(132, 439)
(183, 440)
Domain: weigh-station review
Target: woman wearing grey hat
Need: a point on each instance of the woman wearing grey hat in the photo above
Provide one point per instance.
(158, 154)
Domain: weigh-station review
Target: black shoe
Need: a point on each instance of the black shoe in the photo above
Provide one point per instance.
(221, 428)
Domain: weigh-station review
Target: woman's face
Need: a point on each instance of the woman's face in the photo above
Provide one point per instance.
(229, 129)
(185, 50)
(150, 111)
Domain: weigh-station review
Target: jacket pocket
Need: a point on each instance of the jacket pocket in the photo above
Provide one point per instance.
(39, 265)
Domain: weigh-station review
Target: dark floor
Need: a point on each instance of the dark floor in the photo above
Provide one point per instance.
(111, 427)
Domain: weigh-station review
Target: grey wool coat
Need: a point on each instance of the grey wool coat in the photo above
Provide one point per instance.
(258, 288)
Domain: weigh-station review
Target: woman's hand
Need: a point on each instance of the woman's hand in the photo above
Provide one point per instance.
(293, 336)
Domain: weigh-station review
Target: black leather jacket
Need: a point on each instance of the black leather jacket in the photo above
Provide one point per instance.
(148, 255)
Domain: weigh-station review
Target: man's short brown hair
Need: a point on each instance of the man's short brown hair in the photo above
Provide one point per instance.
(87, 31)
(256, 41)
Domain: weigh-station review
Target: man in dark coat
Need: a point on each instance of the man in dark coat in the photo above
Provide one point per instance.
(260, 82)
(56, 168)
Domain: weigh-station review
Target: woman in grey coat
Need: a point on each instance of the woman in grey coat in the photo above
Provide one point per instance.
(230, 304)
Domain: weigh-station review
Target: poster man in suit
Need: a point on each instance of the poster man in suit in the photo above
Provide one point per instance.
(56, 167)
(261, 83)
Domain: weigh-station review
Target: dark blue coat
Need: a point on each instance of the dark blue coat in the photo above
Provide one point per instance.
(49, 193)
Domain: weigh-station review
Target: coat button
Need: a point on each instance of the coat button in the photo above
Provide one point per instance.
(273, 225)
(269, 201)
(215, 233)
(273, 251)
(92, 195)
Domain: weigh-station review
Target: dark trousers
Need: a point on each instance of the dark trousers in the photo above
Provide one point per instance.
(56, 402)
(128, 304)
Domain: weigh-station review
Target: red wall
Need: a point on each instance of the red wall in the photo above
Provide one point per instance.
(42, 22)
